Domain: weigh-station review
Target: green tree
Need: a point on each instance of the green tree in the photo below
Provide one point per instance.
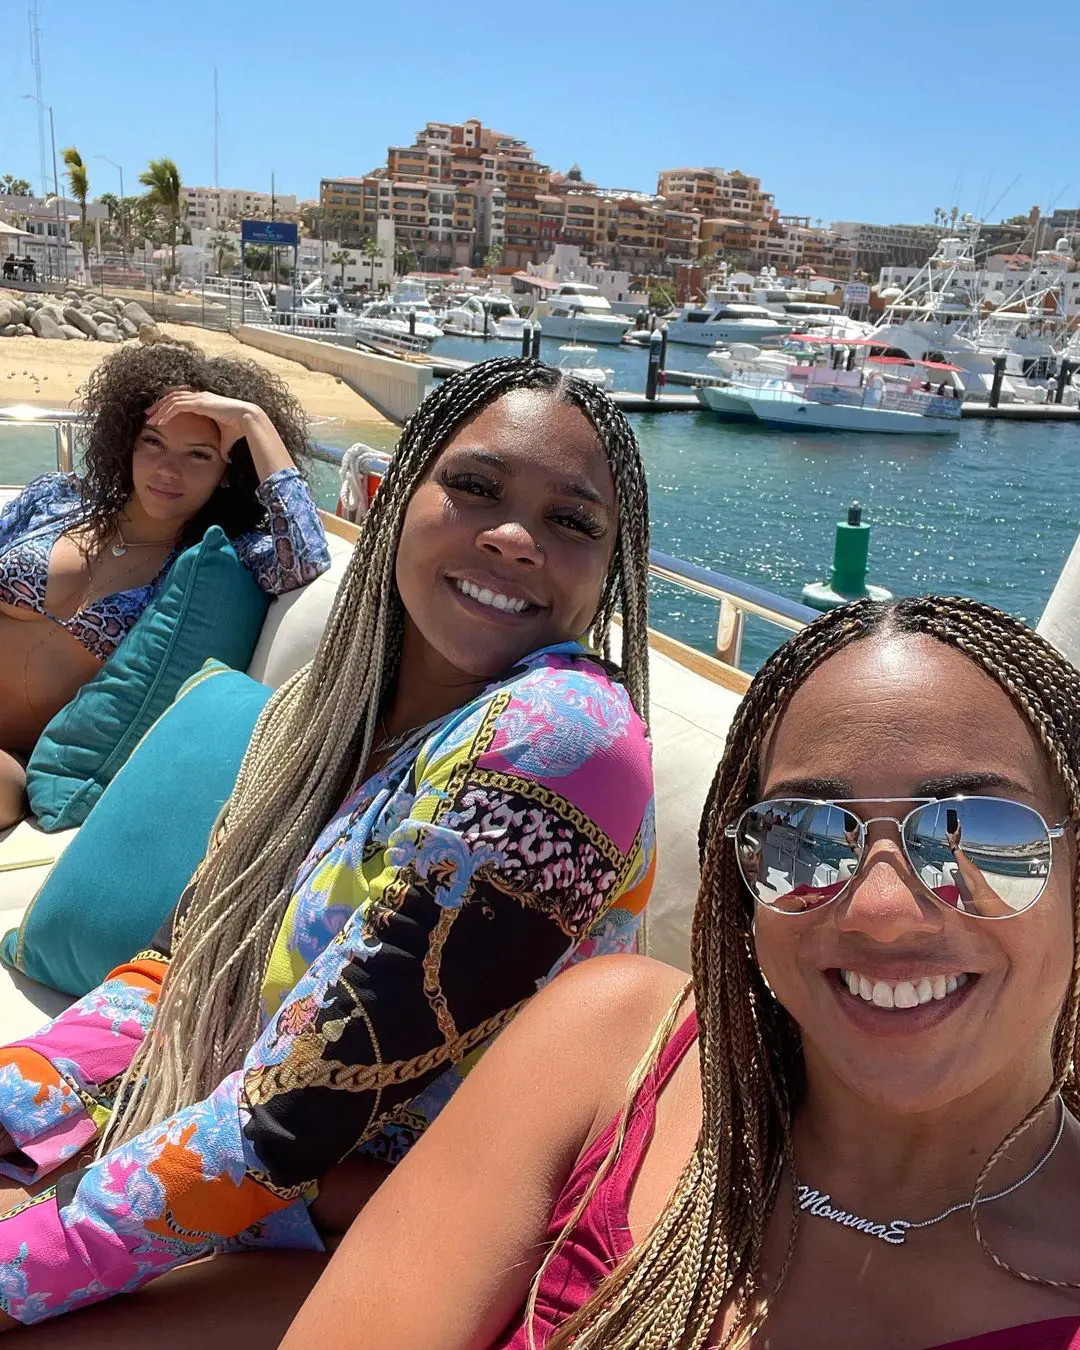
(162, 178)
(372, 252)
(493, 257)
(80, 188)
(341, 259)
(404, 259)
(224, 253)
(258, 259)
(14, 187)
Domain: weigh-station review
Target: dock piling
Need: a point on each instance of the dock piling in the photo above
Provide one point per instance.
(537, 333)
(1062, 381)
(652, 371)
(999, 375)
(526, 338)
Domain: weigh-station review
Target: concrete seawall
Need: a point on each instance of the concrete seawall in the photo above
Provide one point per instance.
(394, 388)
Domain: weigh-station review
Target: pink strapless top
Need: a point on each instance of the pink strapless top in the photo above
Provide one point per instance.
(601, 1237)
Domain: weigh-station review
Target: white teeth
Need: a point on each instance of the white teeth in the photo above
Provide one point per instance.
(904, 995)
(495, 599)
(901, 993)
(883, 995)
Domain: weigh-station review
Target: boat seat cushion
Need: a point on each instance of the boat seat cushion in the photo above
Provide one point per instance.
(209, 606)
(295, 622)
(120, 877)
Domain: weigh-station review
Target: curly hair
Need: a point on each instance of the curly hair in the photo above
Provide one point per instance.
(119, 392)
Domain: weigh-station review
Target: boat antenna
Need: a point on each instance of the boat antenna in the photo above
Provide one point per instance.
(1002, 196)
(34, 19)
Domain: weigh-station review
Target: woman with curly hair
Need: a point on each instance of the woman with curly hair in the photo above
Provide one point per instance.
(177, 442)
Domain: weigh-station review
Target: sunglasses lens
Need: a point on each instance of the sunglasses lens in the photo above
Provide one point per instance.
(982, 855)
(797, 855)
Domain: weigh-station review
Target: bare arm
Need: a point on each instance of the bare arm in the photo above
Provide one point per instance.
(443, 1256)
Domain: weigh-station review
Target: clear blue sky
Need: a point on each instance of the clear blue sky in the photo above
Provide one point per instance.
(847, 109)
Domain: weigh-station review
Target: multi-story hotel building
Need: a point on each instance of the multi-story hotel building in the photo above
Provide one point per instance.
(211, 208)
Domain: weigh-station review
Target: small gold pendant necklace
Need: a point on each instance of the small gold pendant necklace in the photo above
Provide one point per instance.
(121, 546)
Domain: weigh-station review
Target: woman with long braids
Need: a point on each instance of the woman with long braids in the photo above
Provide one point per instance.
(876, 1142)
(176, 442)
(451, 804)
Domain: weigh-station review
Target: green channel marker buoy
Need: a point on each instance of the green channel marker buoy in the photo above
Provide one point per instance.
(848, 580)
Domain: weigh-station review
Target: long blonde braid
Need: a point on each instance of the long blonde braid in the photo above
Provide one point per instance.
(314, 738)
(703, 1255)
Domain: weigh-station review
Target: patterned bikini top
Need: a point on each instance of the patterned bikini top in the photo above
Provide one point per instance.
(291, 554)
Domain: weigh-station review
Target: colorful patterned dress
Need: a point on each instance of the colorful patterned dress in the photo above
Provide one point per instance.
(496, 847)
(287, 554)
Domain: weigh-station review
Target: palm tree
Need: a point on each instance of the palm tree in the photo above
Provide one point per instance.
(14, 187)
(371, 250)
(80, 188)
(404, 259)
(224, 252)
(341, 259)
(162, 177)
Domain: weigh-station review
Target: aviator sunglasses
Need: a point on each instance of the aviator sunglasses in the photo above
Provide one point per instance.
(984, 856)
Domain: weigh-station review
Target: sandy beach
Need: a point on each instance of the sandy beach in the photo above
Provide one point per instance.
(51, 373)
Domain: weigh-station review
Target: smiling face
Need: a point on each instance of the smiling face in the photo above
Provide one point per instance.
(898, 717)
(506, 543)
(176, 469)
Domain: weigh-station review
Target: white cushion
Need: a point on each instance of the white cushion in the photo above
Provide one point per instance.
(690, 720)
(294, 623)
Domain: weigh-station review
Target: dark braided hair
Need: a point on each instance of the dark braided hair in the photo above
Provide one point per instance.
(121, 389)
(315, 736)
(704, 1253)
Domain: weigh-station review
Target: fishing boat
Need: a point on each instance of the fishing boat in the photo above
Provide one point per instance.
(825, 398)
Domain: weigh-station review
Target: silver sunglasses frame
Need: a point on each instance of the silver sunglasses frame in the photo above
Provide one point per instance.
(1053, 832)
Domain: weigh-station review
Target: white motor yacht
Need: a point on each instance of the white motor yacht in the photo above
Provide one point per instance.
(837, 400)
(484, 316)
(386, 322)
(577, 312)
(723, 320)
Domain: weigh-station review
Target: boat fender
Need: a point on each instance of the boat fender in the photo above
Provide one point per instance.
(362, 470)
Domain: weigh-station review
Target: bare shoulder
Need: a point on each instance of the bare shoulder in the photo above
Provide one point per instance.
(596, 1019)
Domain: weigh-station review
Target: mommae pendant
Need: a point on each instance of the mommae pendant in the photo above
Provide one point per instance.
(894, 1232)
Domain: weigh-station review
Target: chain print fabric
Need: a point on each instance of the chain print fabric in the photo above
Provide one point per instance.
(495, 848)
(289, 553)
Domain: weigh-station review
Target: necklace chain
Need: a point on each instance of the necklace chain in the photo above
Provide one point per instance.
(894, 1232)
(119, 549)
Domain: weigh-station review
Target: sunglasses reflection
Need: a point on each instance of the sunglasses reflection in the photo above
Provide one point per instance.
(985, 857)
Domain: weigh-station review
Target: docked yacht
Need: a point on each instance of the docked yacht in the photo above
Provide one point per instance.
(577, 312)
(392, 325)
(724, 319)
(483, 316)
(822, 398)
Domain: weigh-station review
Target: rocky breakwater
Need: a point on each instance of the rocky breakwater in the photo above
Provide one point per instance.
(77, 316)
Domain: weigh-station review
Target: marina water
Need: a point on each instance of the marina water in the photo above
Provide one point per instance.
(991, 513)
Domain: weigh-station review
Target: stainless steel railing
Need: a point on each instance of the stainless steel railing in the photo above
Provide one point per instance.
(736, 600)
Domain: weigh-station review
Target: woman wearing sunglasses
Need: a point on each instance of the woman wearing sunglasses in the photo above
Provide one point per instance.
(858, 1126)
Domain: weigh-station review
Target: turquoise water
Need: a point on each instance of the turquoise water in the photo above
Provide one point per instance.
(991, 513)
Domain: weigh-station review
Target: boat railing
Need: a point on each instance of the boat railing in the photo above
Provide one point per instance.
(736, 600)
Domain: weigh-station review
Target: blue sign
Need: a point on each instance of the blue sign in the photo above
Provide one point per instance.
(276, 232)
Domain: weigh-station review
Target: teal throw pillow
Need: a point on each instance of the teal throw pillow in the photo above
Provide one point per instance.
(209, 606)
(119, 878)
